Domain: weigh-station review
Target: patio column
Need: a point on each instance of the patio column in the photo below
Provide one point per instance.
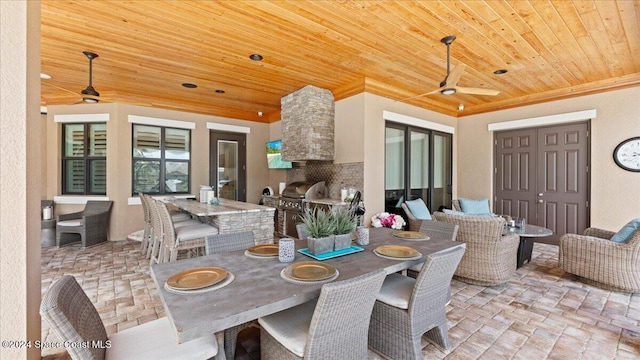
(19, 177)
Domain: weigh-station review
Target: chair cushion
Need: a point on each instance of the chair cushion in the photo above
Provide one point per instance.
(396, 290)
(189, 222)
(627, 231)
(290, 327)
(419, 209)
(192, 232)
(475, 206)
(70, 223)
(177, 216)
(157, 340)
(453, 212)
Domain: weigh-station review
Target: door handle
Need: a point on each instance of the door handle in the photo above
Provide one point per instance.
(540, 201)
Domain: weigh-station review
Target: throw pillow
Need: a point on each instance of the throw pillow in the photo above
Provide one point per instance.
(471, 206)
(419, 209)
(627, 231)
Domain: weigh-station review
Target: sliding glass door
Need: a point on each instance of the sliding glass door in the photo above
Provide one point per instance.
(417, 165)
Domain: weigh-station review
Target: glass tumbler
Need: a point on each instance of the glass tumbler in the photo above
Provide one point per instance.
(362, 235)
(286, 250)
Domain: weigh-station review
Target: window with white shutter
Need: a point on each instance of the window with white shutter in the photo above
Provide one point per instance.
(84, 159)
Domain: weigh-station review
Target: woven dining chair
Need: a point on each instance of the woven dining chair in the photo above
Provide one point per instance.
(434, 229)
(223, 243)
(156, 253)
(75, 320)
(189, 237)
(334, 327)
(407, 308)
(302, 231)
(146, 233)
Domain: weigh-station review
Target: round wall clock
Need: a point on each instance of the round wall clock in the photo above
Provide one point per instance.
(627, 154)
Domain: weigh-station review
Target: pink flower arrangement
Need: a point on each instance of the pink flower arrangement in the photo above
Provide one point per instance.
(385, 219)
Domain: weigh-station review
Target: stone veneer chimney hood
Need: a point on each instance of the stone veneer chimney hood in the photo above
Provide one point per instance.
(308, 124)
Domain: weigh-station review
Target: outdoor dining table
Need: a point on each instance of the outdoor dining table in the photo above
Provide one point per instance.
(258, 289)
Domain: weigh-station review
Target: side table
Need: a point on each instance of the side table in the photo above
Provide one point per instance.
(527, 233)
(48, 235)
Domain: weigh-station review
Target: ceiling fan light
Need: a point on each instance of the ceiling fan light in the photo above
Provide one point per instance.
(90, 91)
(90, 100)
(448, 91)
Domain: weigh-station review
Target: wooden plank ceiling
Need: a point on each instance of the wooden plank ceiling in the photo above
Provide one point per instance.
(147, 49)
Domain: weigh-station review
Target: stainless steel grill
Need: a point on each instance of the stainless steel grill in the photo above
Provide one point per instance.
(293, 199)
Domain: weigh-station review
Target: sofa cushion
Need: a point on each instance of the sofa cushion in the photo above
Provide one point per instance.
(419, 209)
(627, 231)
(475, 206)
(73, 222)
(453, 212)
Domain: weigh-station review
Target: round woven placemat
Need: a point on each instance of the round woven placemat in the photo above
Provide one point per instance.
(250, 255)
(217, 286)
(398, 258)
(305, 282)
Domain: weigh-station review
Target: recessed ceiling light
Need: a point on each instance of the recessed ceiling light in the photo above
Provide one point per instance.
(189, 85)
(45, 76)
(220, 91)
(500, 71)
(255, 57)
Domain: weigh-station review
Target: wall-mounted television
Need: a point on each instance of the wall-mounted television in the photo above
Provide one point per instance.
(274, 156)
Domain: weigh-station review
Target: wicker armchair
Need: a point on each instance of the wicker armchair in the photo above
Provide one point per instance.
(414, 223)
(72, 316)
(90, 225)
(457, 207)
(491, 257)
(407, 308)
(334, 328)
(601, 262)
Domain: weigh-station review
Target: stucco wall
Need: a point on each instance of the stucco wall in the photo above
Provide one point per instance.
(615, 193)
(126, 218)
(19, 176)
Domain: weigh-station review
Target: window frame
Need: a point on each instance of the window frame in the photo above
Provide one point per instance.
(162, 159)
(86, 159)
(408, 129)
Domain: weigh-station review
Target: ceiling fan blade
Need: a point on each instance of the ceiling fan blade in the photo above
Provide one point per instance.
(61, 88)
(455, 75)
(477, 91)
(417, 96)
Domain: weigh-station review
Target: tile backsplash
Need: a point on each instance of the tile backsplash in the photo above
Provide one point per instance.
(335, 176)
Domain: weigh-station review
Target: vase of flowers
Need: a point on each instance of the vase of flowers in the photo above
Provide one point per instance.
(320, 227)
(386, 219)
(344, 225)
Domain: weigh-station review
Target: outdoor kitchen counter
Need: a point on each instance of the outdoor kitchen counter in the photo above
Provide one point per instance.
(234, 216)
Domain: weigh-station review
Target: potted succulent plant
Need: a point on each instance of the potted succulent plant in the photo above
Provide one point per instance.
(344, 225)
(320, 227)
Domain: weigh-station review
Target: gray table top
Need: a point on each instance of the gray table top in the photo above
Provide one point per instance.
(529, 231)
(226, 206)
(258, 290)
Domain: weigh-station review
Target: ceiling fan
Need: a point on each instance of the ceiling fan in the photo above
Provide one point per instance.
(89, 94)
(449, 85)
(93, 95)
